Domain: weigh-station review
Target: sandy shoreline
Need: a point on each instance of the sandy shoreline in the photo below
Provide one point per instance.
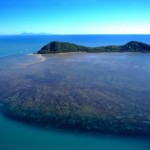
(39, 56)
(70, 53)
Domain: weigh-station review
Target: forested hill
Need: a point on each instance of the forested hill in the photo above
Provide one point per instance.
(62, 47)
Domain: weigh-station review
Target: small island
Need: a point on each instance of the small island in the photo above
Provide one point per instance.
(63, 47)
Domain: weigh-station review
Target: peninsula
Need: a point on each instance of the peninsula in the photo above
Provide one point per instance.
(62, 47)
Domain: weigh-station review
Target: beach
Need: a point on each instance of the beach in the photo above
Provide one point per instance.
(40, 57)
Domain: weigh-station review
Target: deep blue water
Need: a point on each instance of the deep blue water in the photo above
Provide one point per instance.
(31, 43)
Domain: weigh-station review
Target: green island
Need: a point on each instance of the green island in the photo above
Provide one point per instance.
(76, 96)
(62, 47)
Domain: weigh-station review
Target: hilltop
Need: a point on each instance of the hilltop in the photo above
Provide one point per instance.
(62, 47)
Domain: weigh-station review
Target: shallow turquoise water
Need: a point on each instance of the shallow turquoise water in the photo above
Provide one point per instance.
(18, 136)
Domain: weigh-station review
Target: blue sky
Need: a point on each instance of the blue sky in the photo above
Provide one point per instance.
(75, 16)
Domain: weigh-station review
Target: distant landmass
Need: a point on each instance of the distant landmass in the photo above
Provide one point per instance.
(31, 33)
(62, 47)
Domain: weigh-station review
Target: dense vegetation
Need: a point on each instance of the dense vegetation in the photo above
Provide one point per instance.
(61, 47)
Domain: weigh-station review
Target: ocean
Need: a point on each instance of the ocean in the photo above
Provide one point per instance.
(10, 45)
(128, 72)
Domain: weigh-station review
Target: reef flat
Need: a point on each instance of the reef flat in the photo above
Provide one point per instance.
(91, 92)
